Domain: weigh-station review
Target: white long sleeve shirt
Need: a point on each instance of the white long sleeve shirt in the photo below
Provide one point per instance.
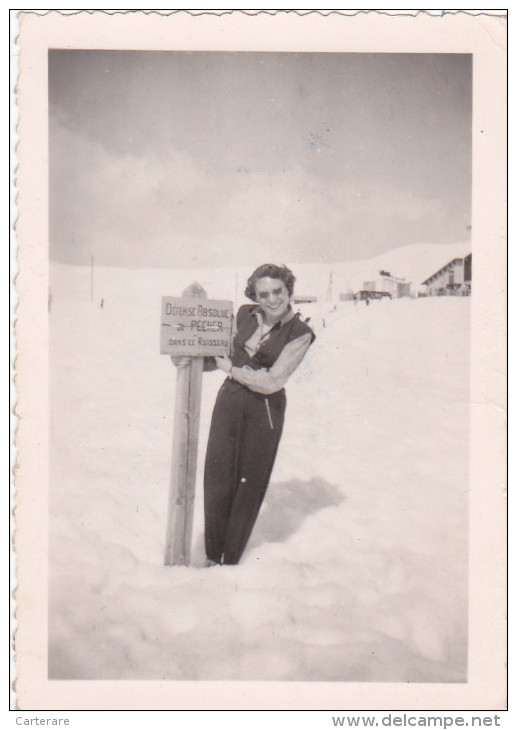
(269, 380)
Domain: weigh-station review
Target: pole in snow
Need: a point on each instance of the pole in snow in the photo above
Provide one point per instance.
(191, 329)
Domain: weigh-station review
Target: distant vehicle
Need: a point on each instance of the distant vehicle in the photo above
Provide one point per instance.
(367, 294)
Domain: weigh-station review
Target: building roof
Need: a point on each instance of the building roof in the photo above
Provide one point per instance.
(456, 260)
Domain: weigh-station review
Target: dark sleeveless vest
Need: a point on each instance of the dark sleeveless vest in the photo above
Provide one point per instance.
(270, 349)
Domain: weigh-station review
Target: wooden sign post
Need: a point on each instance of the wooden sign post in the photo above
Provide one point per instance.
(191, 328)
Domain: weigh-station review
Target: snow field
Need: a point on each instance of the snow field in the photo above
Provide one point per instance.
(357, 568)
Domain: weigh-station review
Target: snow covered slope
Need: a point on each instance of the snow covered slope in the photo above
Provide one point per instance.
(413, 263)
(357, 569)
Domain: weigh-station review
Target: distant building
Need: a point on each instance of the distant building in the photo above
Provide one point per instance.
(403, 289)
(455, 278)
(308, 299)
(346, 296)
(394, 286)
(367, 294)
(467, 272)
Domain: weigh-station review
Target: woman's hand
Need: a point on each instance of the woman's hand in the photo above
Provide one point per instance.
(224, 363)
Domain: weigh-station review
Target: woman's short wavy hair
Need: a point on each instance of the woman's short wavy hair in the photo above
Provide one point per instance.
(274, 272)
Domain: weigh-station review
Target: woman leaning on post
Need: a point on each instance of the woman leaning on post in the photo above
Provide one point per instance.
(269, 343)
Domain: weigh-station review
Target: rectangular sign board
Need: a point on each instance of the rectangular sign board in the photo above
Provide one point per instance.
(195, 327)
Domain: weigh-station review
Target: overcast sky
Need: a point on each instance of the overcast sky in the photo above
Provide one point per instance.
(201, 159)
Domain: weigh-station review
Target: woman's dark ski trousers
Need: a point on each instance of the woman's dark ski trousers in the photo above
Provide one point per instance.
(244, 436)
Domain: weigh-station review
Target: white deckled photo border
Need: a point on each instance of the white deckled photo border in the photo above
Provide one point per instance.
(484, 36)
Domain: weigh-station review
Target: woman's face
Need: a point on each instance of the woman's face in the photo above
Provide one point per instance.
(273, 297)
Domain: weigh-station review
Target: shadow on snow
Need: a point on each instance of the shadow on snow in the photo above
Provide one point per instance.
(287, 505)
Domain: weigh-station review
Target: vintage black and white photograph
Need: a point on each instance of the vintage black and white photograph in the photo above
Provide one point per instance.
(260, 287)
(328, 197)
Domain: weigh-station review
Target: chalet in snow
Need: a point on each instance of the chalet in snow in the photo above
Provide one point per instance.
(386, 286)
(455, 278)
(392, 286)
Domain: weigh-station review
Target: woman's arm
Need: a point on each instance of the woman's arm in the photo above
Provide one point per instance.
(270, 380)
